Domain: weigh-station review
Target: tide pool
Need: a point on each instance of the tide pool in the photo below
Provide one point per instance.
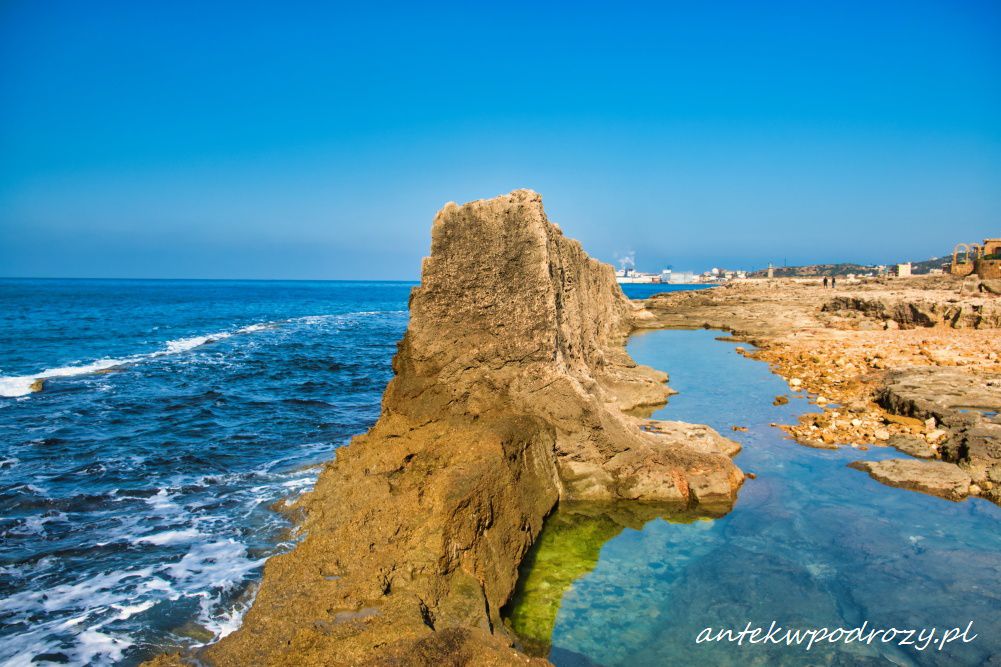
(810, 543)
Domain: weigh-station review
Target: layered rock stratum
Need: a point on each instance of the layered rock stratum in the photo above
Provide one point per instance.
(512, 391)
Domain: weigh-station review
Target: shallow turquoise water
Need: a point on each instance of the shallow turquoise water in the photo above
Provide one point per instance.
(810, 543)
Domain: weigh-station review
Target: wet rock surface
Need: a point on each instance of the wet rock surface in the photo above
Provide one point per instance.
(511, 394)
(936, 478)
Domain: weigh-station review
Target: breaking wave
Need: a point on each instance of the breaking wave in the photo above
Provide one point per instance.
(22, 385)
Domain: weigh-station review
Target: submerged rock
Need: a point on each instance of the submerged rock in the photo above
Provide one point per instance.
(567, 549)
(36, 385)
(510, 393)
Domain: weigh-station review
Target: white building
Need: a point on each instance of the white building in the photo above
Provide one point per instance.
(682, 278)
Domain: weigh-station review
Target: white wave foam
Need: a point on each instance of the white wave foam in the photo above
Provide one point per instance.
(95, 644)
(252, 328)
(93, 592)
(170, 537)
(129, 610)
(35, 525)
(14, 386)
(11, 387)
(185, 344)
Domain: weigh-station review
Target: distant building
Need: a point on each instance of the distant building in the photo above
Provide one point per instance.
(631, 276)
(682, 278)
(982, 260)
(902, 270)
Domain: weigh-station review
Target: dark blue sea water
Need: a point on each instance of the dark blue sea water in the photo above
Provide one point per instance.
(136, 505)
(809, 544)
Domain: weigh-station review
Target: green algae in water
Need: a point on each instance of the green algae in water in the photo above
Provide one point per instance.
(567, 549)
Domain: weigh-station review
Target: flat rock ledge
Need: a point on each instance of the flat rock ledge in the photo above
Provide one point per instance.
(511, 392)
(935, 478)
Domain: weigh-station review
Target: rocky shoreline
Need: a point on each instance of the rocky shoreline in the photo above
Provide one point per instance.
(913, 363)
(513, 392)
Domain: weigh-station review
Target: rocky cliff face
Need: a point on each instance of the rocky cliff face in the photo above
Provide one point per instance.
(511, 392)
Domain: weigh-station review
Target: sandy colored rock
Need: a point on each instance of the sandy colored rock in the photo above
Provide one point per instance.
(912, 445)
(932, 477)
(511, 392)
(699, 437)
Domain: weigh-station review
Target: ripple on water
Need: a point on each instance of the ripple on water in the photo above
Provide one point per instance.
(137, 505)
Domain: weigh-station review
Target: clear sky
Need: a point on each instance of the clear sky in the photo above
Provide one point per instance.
(288, 140)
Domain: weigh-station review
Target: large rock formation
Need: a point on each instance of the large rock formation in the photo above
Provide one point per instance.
(511, 391)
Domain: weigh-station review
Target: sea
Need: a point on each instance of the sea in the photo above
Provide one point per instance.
(143, 488)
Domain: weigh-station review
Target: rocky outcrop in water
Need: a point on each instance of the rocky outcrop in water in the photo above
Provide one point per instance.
(511, 391)
(935, 478)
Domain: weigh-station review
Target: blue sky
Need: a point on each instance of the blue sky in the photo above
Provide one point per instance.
(294, 140)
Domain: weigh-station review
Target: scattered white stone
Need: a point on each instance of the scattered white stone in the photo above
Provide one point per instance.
(936, 435)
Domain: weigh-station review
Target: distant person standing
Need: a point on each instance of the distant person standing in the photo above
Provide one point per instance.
(834, 282)
(825, 282)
